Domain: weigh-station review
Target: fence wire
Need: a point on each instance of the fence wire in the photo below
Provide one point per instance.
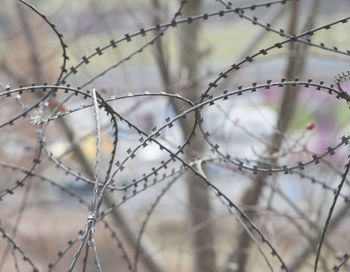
(40, 107)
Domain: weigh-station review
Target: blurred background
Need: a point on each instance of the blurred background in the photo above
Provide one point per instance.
(176, 223)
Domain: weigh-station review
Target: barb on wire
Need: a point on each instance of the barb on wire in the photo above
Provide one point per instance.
(59, 36)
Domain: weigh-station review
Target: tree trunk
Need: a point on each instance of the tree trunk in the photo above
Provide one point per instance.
(198, 194)
(240, 254)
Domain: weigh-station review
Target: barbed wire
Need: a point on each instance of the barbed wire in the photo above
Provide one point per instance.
(52, 103)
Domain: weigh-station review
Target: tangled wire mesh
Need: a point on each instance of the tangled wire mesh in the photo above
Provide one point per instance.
(87, 163)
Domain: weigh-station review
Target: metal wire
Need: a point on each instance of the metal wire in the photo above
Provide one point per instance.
(38, 114)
